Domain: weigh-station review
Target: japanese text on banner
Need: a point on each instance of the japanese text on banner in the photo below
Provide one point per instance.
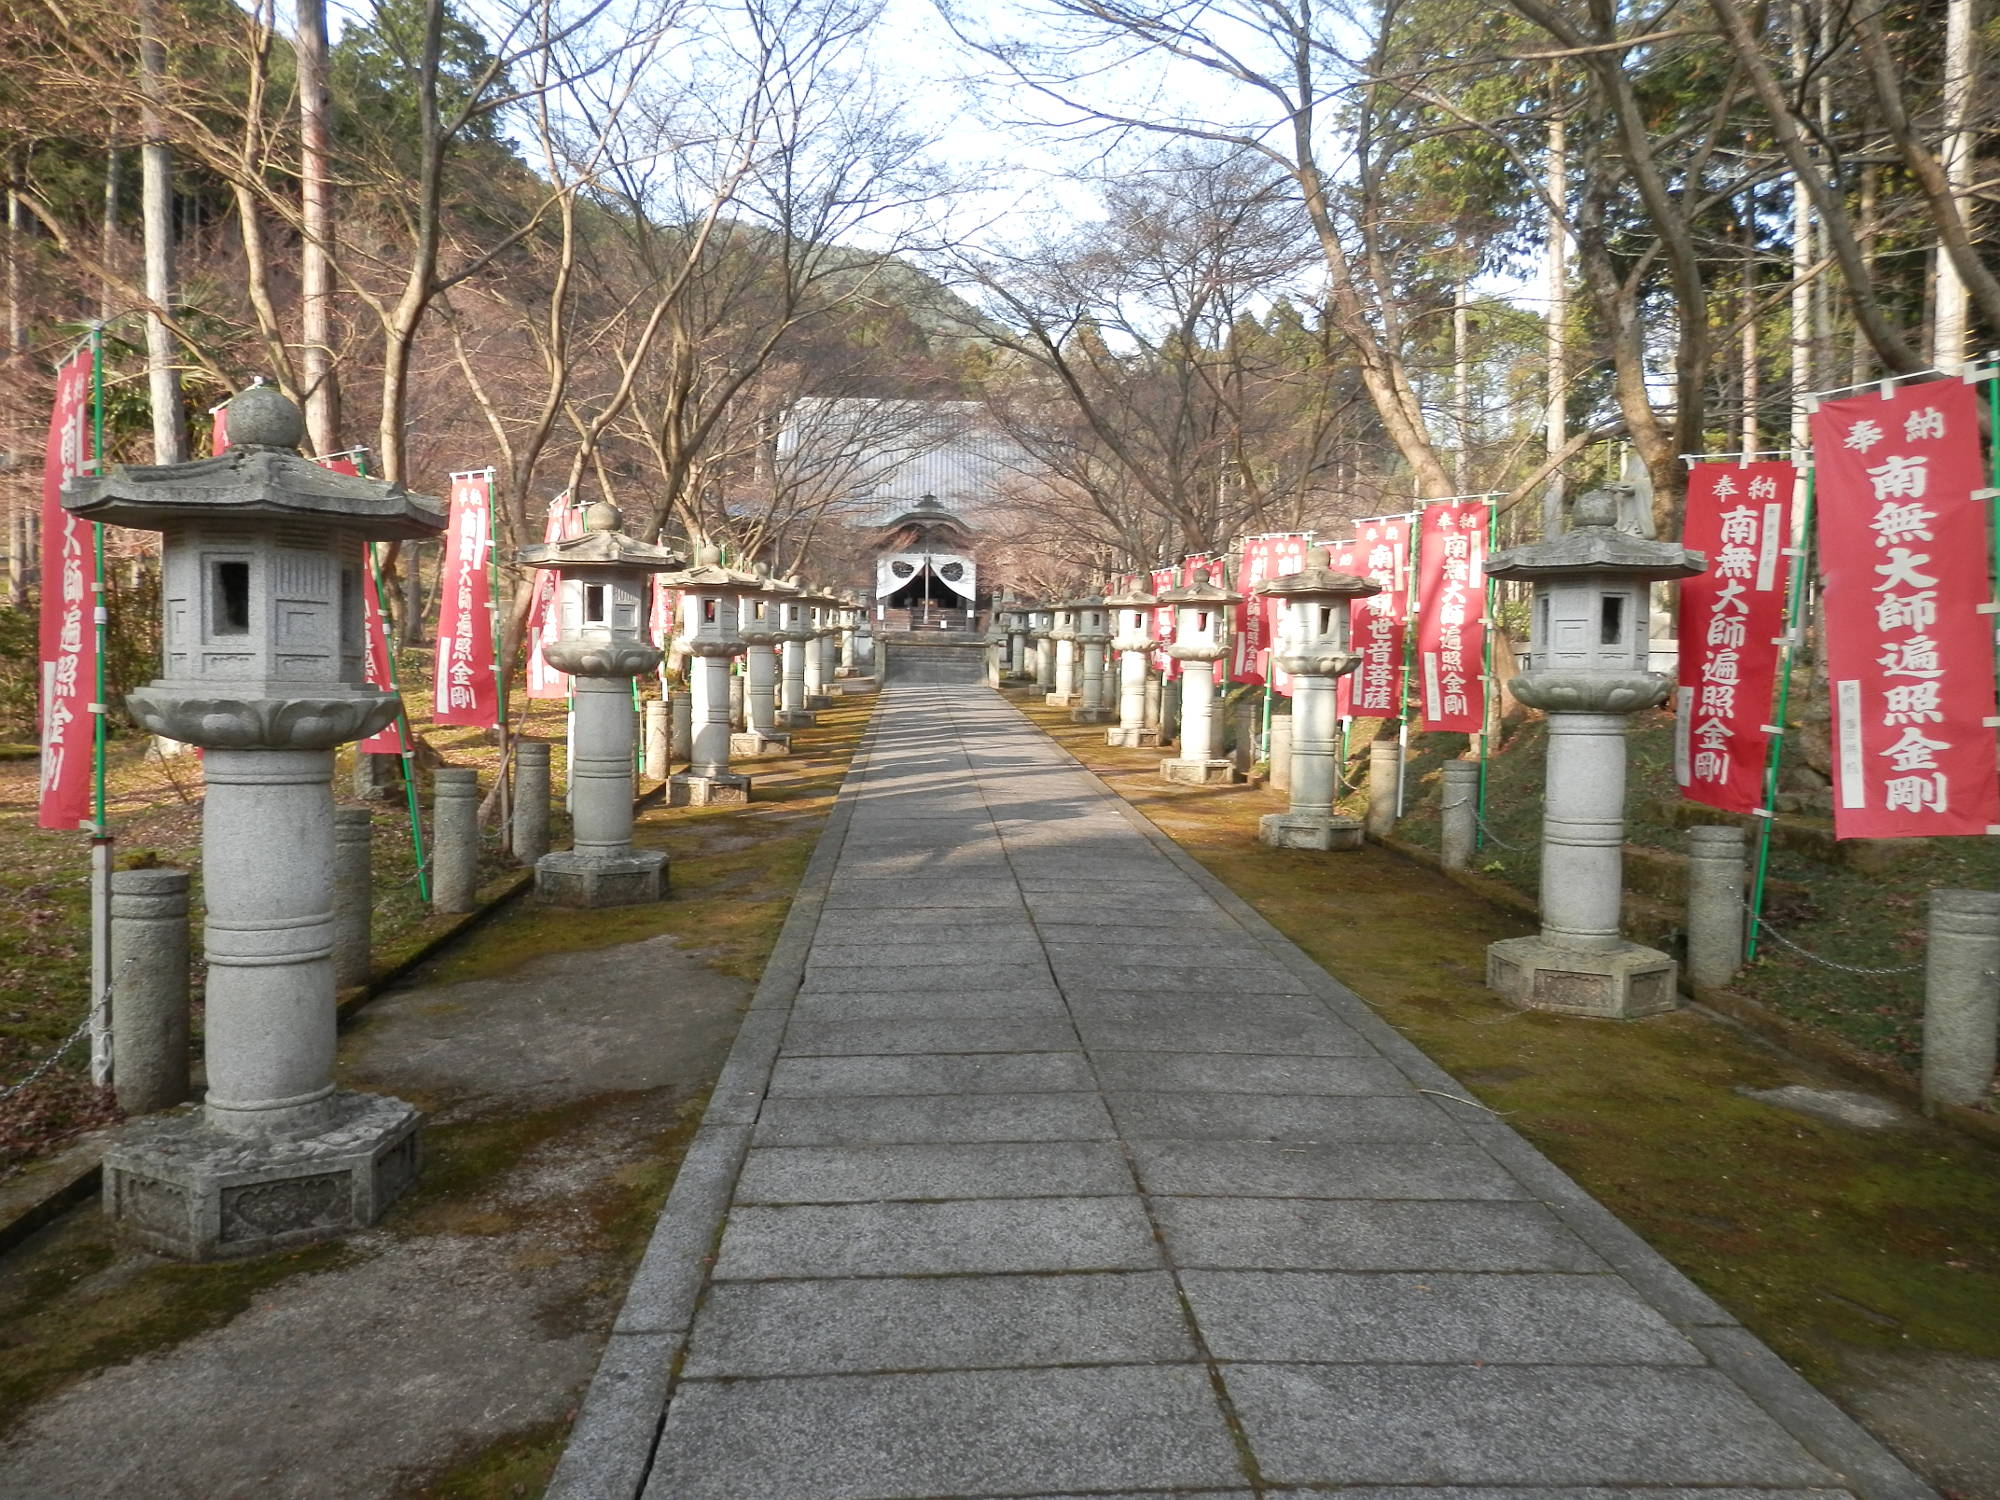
(1451, 615)
(1903, 550)
(69, 611)
(1264, 558)
(1378, 622)
(1738, 516)
(545, 604)
(465, 691)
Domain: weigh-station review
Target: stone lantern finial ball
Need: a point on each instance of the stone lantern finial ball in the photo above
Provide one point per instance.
(1319, 558)
(602, 515)
(262, 416)
(710, 555)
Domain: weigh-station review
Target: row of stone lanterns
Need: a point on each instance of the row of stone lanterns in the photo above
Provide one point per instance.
(262, 667)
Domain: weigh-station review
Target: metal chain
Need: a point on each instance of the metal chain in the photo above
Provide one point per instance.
(1487, 828)
(82, 1027)
(1825, 963)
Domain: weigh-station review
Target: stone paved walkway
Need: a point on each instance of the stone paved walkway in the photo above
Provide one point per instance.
(1044, 1168)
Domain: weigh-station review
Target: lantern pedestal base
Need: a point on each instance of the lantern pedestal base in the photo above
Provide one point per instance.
(1092, 715)
(568, 878)
(175, 1185)
(795, 718)
(1621, 983)
(817, 701)
(690, 790)
(1060, 700)
(1133, 739)
(1305, 831)
(1199, 772)
(755, 744)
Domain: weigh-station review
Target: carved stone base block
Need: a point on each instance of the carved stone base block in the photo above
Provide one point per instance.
(174, 1185)
(1133, 739)
(568, 878)
(795, 718)
(1303, 831)
(1199, 772)
(754, 744)
(1621, 983)
(1092, 715)
(818, 701)
(1060, 700)
(847, 671)
(690, 790)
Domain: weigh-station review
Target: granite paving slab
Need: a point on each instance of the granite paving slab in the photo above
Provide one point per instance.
(1046, 1170)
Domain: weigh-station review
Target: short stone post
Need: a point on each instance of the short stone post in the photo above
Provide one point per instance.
(531, 800)
(715, 596)
(1249, 731)
(763, 635)
(1718, 867)
(1385, 761)
(376, 777)
(1458, 804)
(455, 838)
(657, 739)
(1961, 996)
(796, 628)
(814, 666)
(1281, 752)
(1170, 710)
(353, 894)
(1062, 635)
(738, 716)
(149, 989)
(1154, 714)
(680, 705)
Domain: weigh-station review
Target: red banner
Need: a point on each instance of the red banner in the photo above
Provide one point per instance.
(1345, 557)
(1382, 548)
(1903, 549)
(218, 429)
(1451, 616)
(1163, 623)
(1264, 558)
(465, 690)
(544, 609)
(1738, 517)
(69, 610)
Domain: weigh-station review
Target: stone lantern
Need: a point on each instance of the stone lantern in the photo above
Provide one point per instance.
(1200, 641)
(848, 620)
(1093, 635)
(262, 650)
(1587, 671)
(820, 620)
(1132, 619)
(711, 597)
(795, 627)
(1313, 646)
(1041, 620)
(761, 625)
(1062, 635)
(1014, 624)
(602, 642)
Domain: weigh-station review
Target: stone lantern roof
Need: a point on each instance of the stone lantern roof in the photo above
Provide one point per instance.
(1319, 580)
(813, 594)
(710, 575)
(260, 475)
(1594, 545)
(782, 587)
(1201, 591)
(1085, 601)
(600, 545)
(1139, 596)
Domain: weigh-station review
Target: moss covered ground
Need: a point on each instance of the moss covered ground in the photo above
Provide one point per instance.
(1823, 1239)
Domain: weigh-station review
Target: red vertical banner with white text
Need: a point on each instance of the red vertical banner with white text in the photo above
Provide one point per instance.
(69, 610)
(1903, 547)
(545, 605)
(1163, 623)
(1264, 558)
(465, 690)
(1451, 616)
(1345, 557)
(1380, 622)
(1739, 518)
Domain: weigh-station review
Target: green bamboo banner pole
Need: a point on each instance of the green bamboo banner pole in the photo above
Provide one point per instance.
(1794, 625)
(1414, 521)
(405, 739)
(1490, 700)
(100, 830)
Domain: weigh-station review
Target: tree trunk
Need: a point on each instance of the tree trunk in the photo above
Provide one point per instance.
(163, 381)
(319, 382)
(1555, 267)
(107, 233)
(1948, 332)
(1751, 383)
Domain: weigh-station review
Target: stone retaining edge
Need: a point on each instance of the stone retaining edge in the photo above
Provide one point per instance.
(609, 1451)
(1787, 1397)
